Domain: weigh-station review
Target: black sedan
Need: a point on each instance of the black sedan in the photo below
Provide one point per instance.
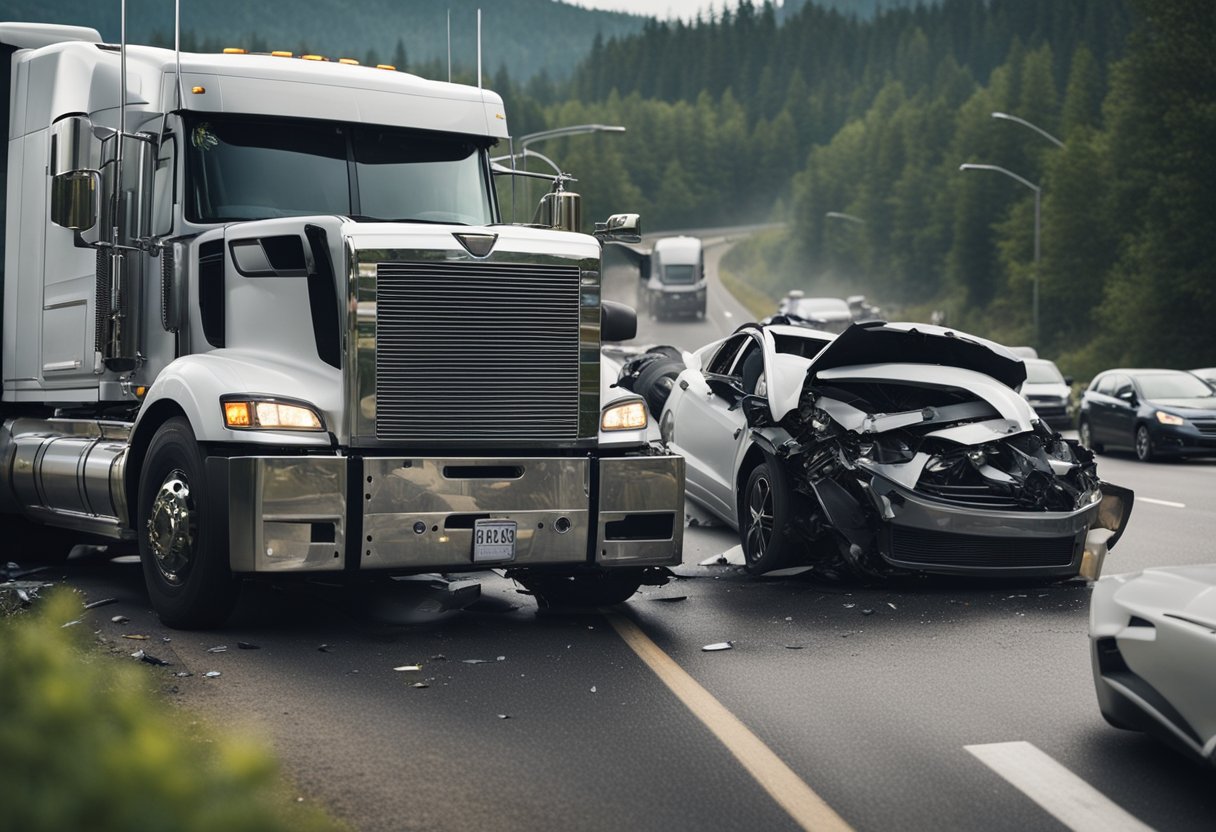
(1156, 413)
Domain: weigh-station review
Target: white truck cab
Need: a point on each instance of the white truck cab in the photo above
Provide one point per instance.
(677, 278)
(261, 314)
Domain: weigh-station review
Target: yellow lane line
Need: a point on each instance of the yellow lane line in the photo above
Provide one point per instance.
(784, 786)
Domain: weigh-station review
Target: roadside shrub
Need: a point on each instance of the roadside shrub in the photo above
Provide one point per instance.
(87, 743)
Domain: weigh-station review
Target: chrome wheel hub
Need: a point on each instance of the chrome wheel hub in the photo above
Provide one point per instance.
(760, 519)
(172, 526)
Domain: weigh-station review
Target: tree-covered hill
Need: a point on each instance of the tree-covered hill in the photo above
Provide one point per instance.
(527, 36)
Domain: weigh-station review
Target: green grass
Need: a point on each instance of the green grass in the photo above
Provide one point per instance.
(88, 743)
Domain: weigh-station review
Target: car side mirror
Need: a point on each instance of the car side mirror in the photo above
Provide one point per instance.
(725, 389)
(1128, 396)
(756, 411)
(1068, 380)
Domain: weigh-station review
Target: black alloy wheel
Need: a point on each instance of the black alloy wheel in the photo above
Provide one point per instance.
(1144, 444)
(764, 520)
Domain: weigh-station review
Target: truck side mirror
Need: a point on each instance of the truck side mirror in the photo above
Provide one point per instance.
(618, 322)
(75, 181)
(620, 228)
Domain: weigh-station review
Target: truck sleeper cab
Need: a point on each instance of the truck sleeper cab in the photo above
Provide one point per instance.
(277, 325)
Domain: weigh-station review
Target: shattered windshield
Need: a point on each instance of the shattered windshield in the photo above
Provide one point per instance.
(241, 168)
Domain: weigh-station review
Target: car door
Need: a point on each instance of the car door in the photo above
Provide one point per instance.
(1122, 422)
(707, 424)
(1101, 404)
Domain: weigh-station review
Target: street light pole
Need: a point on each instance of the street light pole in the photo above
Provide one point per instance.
(1033, 127)
(1037, 216)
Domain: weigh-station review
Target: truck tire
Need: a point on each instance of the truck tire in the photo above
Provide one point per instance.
(599, 589)
(184, 555)
(655, 382)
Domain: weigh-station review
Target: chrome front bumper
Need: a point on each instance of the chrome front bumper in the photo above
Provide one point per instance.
(317, 514)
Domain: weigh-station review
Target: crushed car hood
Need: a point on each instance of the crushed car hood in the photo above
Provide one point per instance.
(910, 343)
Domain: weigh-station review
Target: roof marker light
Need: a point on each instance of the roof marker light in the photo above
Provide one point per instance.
(348, 61)
(234, 50)
(198, 90)
(280, 54)
(386, 66)
(314, 57)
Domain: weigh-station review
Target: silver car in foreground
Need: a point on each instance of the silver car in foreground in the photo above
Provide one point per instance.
(889, 448)
(1153, 642)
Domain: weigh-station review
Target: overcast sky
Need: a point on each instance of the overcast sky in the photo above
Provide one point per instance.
(684, 9)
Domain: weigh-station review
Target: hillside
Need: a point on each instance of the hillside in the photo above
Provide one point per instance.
(526, 36)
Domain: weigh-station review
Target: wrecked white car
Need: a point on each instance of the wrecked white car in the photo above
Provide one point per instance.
(890, 448)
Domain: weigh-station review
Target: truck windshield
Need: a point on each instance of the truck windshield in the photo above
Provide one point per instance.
(242, 168)
(680, 275)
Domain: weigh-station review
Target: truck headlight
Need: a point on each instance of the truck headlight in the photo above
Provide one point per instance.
(627, 415)
(270, 414)
(1169, 418)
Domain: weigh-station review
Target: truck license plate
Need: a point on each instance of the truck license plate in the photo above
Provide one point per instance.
(493, 541)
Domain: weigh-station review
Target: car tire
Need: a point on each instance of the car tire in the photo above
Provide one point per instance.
(1086, 432)
(598, 589)
(765, 512)
(1144, 444)
(183, 553)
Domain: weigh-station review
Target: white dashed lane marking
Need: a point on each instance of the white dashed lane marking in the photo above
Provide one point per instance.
(1160, 502)
(1064, 795)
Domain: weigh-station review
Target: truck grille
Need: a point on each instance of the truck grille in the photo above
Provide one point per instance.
(932, 548)
(484, 351)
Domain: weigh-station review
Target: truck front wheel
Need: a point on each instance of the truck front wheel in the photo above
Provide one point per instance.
(184, 558)
(599, 589)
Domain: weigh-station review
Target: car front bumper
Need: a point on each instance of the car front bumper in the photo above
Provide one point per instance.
(417, 514)
(931, 536)
(1183, 440)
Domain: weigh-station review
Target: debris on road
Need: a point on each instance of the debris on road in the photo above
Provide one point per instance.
(671, 599)
(408, 667)
(148, 658)
(504, 716)
(219, 648)
(593, 690)
(439, 657)
(793, 647)
(420, 685)
(324, 648)
(721, 645)
(788, 572)
(71, 623)
(119, 619)
(101, 603)
(867, 612)
(892, 606)
(474, 661)
(183, 674)
(212, 674)
(135, 636)
(248, 645)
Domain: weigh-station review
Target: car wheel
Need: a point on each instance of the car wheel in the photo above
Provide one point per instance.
(599, 589)
(764, 520)
(655, 382)
(1144, 445)
(1087, 437)
(184, 556)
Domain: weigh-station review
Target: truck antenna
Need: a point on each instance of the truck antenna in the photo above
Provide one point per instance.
(479, 49)
(122, 119)
(449, 46)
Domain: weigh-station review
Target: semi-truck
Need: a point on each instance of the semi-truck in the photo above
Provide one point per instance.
(263, 315)
(677, 283)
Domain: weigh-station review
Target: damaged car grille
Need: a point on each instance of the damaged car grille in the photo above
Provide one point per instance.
(483, 351)
(922, 547)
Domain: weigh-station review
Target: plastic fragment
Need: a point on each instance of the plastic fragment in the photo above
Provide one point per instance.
(212, 674)
(473, 661)
(789, 618)
(671, 599)
(849, 606)
(892, 606)
(593, 690)
(420, 685)
(148, 658)
(101, 603)
(183, 674)
(867, 612)
(135, 636)
(439, 657)
(70, 624)
(23, 597)
(504, 716)
(219, 648)
(720, 645)
(405, 667)
(793, 647)
(119, 619)
(501, 659)
(324, 648)
(248, 645)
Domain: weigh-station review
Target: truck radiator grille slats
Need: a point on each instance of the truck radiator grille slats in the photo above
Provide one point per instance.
(477, 351)
(932, 548)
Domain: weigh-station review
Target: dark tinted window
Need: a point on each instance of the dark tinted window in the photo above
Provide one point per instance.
(680, 275)
(1173, 386)
(724, 358)
(1106, 385)
(412, 176)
